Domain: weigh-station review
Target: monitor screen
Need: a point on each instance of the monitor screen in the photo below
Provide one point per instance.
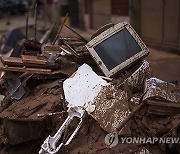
(117, 48)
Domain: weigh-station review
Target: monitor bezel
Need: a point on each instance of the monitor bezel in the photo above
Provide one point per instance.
(108, 33)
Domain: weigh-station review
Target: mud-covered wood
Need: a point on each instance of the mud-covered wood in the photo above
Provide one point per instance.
(37, 63)
(25, 69)
(12, 61)
(32, 59)
(163, 107)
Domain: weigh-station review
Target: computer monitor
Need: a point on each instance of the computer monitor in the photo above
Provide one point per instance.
(116, 48)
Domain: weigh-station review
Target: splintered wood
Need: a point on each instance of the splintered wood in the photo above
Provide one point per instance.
(111, 109)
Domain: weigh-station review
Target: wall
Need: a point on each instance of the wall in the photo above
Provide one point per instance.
(100, 12)
(157, 21)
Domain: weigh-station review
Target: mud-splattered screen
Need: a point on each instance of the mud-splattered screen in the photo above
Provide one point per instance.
(117, 48)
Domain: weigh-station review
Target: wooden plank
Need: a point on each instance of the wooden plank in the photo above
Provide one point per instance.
(26, 69)
(49, 66)
(32, 59)
(163, 107)
(163, 103)
(39, 70)
(12, 60)
(163, 110)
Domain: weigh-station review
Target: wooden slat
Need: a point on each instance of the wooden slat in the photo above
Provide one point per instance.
(26, 69)
(12, 60)
(32, 59)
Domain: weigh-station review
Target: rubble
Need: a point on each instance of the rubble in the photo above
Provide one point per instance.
(65, 97)
(81, 84)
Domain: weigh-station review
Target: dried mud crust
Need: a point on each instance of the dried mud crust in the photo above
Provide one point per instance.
(44, 99)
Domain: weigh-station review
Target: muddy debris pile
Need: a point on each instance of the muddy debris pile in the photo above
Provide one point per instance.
(68, 95)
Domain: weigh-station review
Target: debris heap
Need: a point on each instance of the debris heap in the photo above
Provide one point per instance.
(51, 102)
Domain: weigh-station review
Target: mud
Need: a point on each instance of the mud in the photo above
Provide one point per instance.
(44, 99)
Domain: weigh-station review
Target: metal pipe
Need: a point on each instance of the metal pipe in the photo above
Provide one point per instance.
(35, 22)
(60, 29)
(76, 33)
